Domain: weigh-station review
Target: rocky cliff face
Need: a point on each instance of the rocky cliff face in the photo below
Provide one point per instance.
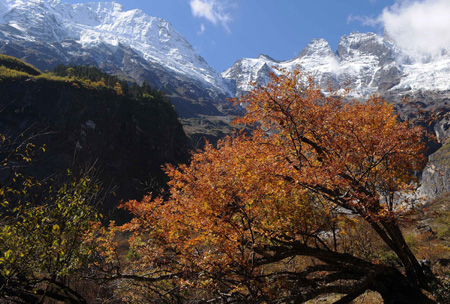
(435, 179)
(126, 140)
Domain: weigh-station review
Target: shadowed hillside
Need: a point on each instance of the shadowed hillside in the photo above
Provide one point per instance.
(91, 119)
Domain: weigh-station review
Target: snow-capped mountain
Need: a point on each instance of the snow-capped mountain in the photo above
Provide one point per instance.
(365, 61)
(104, 34)
(139, 47)
(144, 48)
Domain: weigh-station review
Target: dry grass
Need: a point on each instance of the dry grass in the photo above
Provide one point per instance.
(369, 297)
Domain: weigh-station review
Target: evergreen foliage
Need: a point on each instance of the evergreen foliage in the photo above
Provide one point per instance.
(93, 74)
(86, 72)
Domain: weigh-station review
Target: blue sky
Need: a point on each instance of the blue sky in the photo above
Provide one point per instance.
(223, 31)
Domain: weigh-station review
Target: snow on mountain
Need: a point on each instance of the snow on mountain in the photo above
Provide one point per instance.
(365, 61)
(97, 23)
(105, 34)
(430, 74)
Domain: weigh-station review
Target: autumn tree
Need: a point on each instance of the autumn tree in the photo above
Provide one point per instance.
(261, 218)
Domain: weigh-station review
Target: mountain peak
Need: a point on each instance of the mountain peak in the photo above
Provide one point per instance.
(317, 47)
(363, 43)
(266, 58)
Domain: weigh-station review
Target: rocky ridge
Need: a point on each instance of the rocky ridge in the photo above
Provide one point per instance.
(366, 62)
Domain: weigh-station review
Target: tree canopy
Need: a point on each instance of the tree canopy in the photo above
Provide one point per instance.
(303, 206)
(261, 218)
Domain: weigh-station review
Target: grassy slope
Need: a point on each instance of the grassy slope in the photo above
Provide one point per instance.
(15, 64)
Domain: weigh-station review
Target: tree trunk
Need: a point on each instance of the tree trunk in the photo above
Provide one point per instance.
(395, 288)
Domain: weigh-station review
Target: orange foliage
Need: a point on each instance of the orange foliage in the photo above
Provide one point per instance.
(240, 211)
(326, 144)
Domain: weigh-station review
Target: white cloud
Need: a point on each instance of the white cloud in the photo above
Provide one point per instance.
(364, 20)
(202, 29)
(419, 27)
(212, 10)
